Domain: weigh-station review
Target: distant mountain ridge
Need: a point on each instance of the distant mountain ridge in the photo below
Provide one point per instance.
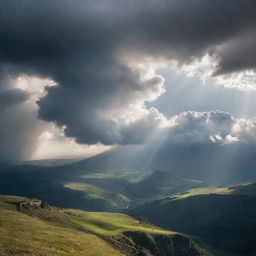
(81, 187)
(209, 163)
(225, 219)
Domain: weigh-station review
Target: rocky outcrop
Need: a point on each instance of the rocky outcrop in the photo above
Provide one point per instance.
(134, 243)
(32, 204)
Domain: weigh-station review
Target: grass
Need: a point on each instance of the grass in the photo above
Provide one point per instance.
(116, 200)
(10, 202)
(248, 189)
(23, 235)
(241, 189)
(67, 232)
(58, 232)
(202, 191)
(110, 223)
(130, 175)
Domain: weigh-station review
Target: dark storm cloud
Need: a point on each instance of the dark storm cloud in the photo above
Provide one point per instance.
(89, 48)
(185, 30)
(238, 53)
(12, 96)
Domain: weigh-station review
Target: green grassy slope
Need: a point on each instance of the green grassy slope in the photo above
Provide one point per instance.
(112, 201)
(24, 235)
(106, 223)
(248, 189)
(50, 231)
(160, 183)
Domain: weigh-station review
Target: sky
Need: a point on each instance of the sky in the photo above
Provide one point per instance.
(78, 78)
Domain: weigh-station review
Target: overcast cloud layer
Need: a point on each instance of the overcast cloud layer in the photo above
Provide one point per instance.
(102, 56)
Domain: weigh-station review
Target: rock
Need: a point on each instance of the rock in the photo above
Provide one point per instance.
(32, 204)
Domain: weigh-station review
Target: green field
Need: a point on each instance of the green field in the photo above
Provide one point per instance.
(111, 223)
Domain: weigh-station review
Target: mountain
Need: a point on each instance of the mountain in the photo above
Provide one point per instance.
(159, 183)
(74, 185)
(226, 165)
(223, 217)
(32, 227)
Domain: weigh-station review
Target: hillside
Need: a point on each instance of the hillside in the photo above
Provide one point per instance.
(244, 189)
(223, 217)
(63, 186)
(159, 183)
(44, 230)
(21, 234)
